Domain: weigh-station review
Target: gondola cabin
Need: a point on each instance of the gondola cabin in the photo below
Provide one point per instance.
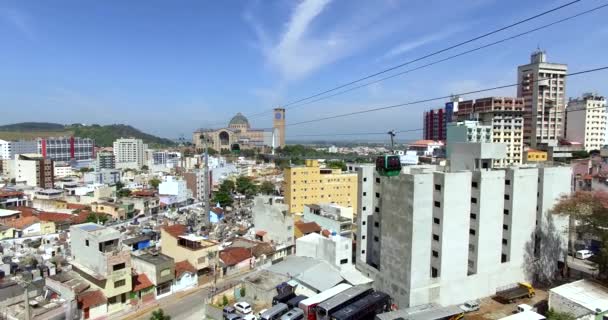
(388, 165)
(235, 148)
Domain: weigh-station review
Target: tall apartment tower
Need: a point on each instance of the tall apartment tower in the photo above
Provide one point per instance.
(542, 85)
(129, 153)
(586, 121)
(445, 235)
(278, 123)
(365, 204)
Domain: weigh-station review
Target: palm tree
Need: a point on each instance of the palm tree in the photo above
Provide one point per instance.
(159, 315)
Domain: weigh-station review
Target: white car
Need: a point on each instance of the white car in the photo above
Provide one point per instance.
(243, 307)
(470, 306)
(583, 254)
(249, 317)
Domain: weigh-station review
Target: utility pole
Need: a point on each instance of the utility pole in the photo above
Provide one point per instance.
(206, 176)
(392, 134)
(26, 299)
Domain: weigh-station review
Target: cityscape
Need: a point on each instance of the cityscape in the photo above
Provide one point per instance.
(347, 185)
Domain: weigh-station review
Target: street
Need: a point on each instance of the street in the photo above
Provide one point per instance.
(189, 307)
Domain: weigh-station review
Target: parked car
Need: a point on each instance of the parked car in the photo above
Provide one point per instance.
(470, 306)
(243, 307)
(233, 316)
(249, 317)
(523, 308)
(228, 310)
(583, 254)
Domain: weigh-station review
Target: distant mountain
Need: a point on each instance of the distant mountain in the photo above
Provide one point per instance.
(104, 135)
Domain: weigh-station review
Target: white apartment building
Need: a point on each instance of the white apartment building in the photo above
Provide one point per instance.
(335, 249)
(129, 153)
(174, 190)
(365, 182)
(447, 236)
(8, 149)
(506, 117)
(330, 216)
(543, 86)
(62, 170)
(586, 121)
(467, 131)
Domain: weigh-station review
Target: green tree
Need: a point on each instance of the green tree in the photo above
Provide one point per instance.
(97, 218)
(267, 187)
(159, 315)
(246, 187)
(554, 315)
(337, 164)
(212, 152)
(144, 168)
(224, 300)
(154, 182)
(580, 154)
(85, 170)
(227, 186)
(242, 291)
(223, 198)
(119, 185)
(123, 193)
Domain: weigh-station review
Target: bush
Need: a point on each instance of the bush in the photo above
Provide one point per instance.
(224, 301)
(242, 291)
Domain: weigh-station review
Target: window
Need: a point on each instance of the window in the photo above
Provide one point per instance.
(363, 209)
(435, 237)
(505, 227)
(434, 272)
(473, 216)
(362, 237)
(506, 211)
(364, 222)
(472, 231)
(112, 300)
(344, 261)
(474, 184)
(165, 272)
(377, 194)
(364, 179)
(435, 254)
(86, 242)
(376, 239)
(437, 204)
(288, 227)
(507, 197)
(473, 200)
(376, 209)
(119, 283)
(436, 220)
(364, 194)
(503, 258)
(362, 251)
(119, 266)
(508, 182)
(504, 241)
(438, 187)
(377, 224)
(377, 180)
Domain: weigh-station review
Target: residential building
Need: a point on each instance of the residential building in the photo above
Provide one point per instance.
(336, 249)
(111, 209)
(272, 218)
(129, 153)
(236, 260)
(330, 217)
(435, 121)
(12, 198)
(145, 201)
(103, 176)
(106, 160)
(62, 170)
(34, 170)
(583, 299)
(185, 276)
(533, 155)
(195, 182)
(505, 116)
(542, 85)
(586, 121)
(467, 131)
(66, 148)
(305, 228)
(201, 253)
(310, 183)
(365, 200)
(9, 149)
(443, 234)
(96, 256)
(159, 268)
(174, 191)
(426, 148)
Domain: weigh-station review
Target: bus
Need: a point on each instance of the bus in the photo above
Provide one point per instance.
(366, 308)
(275, 312)
(308, 305)
(327, 307)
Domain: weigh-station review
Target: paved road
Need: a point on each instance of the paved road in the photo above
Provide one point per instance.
(187, 308)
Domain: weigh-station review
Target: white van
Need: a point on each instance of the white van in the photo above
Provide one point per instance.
(524, 307)
(583, 254)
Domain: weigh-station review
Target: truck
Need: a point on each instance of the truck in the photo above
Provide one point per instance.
(518, 291)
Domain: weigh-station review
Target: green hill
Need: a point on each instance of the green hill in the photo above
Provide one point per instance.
(104, 135)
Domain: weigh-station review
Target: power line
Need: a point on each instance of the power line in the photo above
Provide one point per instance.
(434, 99)
(487, 34)
(425, 56)
(450, 57)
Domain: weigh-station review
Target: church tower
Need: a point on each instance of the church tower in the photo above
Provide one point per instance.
(278, 123)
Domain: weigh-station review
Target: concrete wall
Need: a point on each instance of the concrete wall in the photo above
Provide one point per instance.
(274, 219)
(563, 305)
(365, 181)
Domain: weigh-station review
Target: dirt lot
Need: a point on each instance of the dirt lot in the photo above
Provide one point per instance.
(491, 309)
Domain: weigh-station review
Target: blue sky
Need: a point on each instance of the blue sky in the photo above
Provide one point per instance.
(168, 67)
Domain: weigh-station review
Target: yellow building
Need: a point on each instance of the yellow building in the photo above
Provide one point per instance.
(116, 211)
(311, 184)
(7, 232)
(200, 253)
(536, 155)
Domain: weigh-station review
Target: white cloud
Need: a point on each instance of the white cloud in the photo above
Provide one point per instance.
(18, 19)
(416, 43)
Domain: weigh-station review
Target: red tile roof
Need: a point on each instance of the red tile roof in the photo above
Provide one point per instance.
(75, 206)
(89, 299)
(144, 193)
(141, 282)
(176, 230)
(308, 227)
(26, 211)
(56, 217)
(22, 223)
(233, 256)
(425, 142)
(183, 266)
(10, 194)
(326, 233)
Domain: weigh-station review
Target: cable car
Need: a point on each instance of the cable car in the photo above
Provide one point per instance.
(235, 148)
(388, 165)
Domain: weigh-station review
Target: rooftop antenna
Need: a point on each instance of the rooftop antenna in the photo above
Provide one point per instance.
(392, 133)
